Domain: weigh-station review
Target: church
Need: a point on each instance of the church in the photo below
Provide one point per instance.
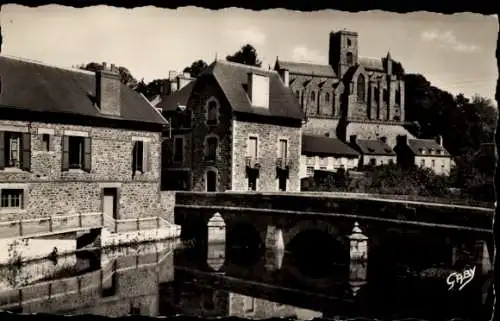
(351, 97)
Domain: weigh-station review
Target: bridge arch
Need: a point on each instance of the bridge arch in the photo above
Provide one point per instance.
(312, 225)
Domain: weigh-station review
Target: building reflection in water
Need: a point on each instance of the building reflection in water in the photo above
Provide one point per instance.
(150, 280)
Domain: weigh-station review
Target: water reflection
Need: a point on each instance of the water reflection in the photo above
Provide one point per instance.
(220, 280)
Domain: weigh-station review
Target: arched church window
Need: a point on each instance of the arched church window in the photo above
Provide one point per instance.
(349, 42)
(349, 58)
(361, 88)
(297, 93)
(398, 97)
(327, 97)
(313, 96)
(376, 95)
(385, 96)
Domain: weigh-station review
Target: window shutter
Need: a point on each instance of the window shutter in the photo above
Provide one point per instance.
(65, 153)
(2, 150)
(26, 152)
(146, 159)
(87, 154)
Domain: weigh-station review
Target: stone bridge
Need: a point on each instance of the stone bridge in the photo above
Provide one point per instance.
(277, 220)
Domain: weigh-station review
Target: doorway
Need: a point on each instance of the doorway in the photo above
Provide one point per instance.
(211, 181)
(109, 202)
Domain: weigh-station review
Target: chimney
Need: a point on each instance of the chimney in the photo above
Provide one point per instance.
(353, 139)
(172, 74)
(258, 89)
(182, 81)
(108, 91)
(439, 140)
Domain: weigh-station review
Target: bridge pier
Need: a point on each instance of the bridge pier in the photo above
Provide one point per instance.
(274, 238)
(473, 252)
(274, 259)
(216, 229)
(357, 275)
(358, 245)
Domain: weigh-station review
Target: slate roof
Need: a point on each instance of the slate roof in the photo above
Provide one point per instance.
(306, 68)
(233, 79)
(312, 144)
(180, 97)
(371, 64)
(417, 146)
(33, 86)
(374, 147)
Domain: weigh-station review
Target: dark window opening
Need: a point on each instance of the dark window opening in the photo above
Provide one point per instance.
(137, 157)
(12, 198)
(373, 162)
(361, 88)
(313, 96)
(76, 152)
(46, 142)
(349, 58)
(212, 113)
(178, 149)
(211, 149)
(282, 183)
(327, 97)
(211, 181)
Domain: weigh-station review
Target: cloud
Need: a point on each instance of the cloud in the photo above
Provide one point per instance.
(249, 35)
(304, 54)
(447, 39)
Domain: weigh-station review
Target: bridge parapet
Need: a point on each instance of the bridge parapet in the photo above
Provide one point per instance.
(461, 217)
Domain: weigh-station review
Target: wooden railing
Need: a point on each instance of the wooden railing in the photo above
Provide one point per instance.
(70, 223)
(78, 284)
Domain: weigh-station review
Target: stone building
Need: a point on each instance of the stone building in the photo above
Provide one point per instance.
(73, 141)
(350, 95)
(373, 152)
(425, 153)
(235, 127)
(326, 154)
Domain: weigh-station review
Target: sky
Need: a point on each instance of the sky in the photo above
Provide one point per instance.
(454, 52)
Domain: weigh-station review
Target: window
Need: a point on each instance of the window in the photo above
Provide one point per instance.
(15, 150)
(186, 119)
(310, 171)
(249, 305)
(398, 97)
(313, 96)
(442, 166)
(333, 104)
(391, 162)
(349, 58)
(46, 142)
(373, 162)
(282, 150)
(323, 161)
(211, 149)
(212, 113)
(178, 149)
(297, 94)
(361, 88)
(377, 95)
(349, 42)
(433, 163)
(385, 96)
(422, 162)
(140, 157)
(252, 182)
(76, 152)
(327, 97)
(12, 198)
(282, 183)
(252, 147)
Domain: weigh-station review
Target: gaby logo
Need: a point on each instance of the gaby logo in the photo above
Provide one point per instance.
(460, 279)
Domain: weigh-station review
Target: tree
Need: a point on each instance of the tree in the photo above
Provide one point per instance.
(196, 68)
(125, 74)
(246, 55)
(151, 89)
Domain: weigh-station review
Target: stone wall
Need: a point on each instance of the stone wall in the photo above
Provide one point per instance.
(248, 307)
(267, 137)
(321, 126)
(167, 199)
(51, 191)
(376, 131)
(320, 86)
(200, 98)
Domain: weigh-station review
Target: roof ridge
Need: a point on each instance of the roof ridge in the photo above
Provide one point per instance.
(305, 63)
(38, 62)
(236, 64)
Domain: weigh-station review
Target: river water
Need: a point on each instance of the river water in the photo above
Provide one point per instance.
(170, 278)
